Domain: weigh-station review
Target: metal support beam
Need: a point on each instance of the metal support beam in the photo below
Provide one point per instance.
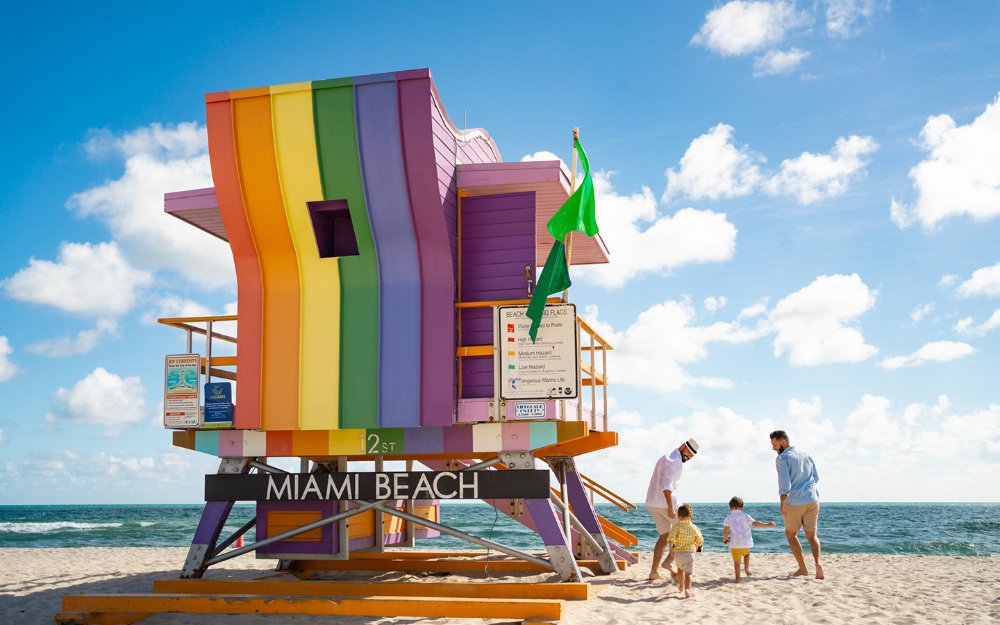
(489, 544)
(590, 540)
(241, 531)
(292, 533)
(261, 466)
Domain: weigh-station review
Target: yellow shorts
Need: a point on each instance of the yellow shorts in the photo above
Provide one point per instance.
(739, 554)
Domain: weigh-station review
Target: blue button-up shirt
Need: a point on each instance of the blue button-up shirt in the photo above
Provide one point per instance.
(797, 477)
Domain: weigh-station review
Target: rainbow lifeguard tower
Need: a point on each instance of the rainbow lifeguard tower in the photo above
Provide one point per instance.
(384, 259)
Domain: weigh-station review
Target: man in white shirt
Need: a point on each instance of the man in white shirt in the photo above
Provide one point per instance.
(662, 502)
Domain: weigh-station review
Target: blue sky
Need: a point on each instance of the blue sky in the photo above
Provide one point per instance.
(801, 201)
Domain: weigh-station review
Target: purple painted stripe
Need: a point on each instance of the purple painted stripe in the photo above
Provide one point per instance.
(580, 503)
(544, 517)
(498, 217)
(458, 439)
(434, 246)
(213, 518)
(492, 270)
(489, 231)
(511, 244)
(396, 249)
(424, 440)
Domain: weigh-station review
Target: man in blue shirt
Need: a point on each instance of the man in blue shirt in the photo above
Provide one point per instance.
(797, 479)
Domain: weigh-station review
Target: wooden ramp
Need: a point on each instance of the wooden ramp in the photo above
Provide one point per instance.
(520, 601)
(510, 600)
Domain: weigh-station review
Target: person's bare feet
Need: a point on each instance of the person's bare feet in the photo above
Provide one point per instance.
(747, 572)
(653, 577)
(819, 571)
(673, 573)
(798, 573)
(688, 594)
(736, 580)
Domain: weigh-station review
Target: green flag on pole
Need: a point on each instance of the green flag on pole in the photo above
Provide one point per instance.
(576, 215)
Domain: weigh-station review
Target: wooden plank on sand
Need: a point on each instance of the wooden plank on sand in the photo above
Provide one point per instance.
(498, 590)
(370, 606)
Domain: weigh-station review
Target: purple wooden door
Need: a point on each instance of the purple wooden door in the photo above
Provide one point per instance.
(498, 243)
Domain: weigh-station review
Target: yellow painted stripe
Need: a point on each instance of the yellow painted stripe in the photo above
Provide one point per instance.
(319, 341)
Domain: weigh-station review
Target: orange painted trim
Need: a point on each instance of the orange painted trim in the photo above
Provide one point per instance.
(313, 588)
(593, 442)
(229, 192)
(279, 266)
(375, 606)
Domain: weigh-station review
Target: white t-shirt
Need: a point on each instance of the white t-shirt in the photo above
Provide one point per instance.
(739, 524)
(666, 476)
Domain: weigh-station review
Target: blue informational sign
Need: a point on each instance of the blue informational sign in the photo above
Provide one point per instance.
(218, 405)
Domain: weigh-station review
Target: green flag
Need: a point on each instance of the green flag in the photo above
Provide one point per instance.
(554, 278)
(576, 215)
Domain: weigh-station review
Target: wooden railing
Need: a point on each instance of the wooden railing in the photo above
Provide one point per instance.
(188, 324)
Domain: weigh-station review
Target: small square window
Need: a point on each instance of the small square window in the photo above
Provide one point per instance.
(331, 220)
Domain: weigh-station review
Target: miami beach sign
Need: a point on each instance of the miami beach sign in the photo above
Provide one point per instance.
(378, 485)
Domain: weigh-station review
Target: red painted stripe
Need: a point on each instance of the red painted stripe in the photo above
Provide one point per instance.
(222, 152)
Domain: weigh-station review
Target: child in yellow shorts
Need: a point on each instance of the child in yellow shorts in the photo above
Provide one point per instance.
(736, 533)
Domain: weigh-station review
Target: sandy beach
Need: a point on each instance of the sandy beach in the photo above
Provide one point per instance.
(872, 588)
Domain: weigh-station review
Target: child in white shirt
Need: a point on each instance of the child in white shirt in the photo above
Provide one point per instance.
(736, 532)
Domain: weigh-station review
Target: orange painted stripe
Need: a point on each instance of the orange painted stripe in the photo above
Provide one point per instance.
(228, 190)
(265, 212)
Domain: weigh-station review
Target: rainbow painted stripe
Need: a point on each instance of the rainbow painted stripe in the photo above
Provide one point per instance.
(448, 441)
(349, 341)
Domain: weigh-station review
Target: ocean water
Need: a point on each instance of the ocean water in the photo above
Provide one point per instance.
(966, 529)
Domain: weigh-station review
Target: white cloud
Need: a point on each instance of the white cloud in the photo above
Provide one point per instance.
(545, 155)
(960, 176)
(871, 423)
(842, 16)
(917, 314)
(914, 413)
(714, 304)
(7, 366)
(653, 351)
(778, 62)
(756, 309)
(641, 241)
(713, 167)
(813, 324)
(948, 280)
(739, 28)
(3, 436)
(170, 305)
(85, 341)
(873, 453)
(87, 279)
(984, 281)
(158, 159)
(935, 351)
(812, 177)
(103, 399)
(968, 327)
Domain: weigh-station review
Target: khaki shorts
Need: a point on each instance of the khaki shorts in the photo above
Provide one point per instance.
(804, 516)
(684, 561)
(663, 522)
